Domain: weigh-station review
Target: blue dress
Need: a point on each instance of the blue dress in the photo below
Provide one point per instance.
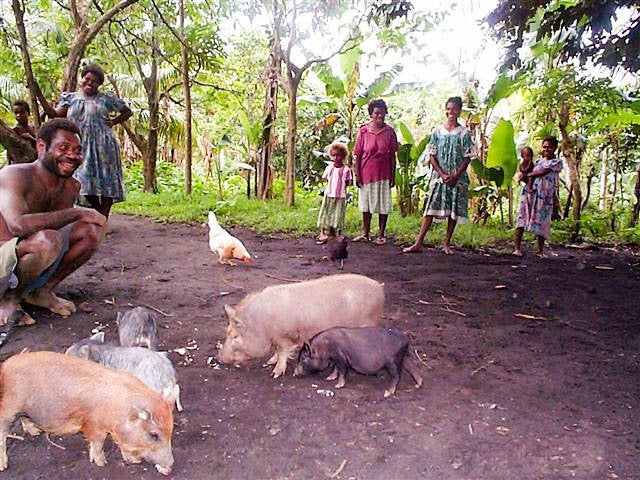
(101, 170)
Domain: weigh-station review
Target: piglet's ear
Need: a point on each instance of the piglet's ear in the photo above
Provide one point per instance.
(231, 312)
(138, 414)
(98, 337)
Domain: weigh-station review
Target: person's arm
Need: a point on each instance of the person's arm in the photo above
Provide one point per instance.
(453, 179)
(436, 166)
(50, 110)
(468, 152)
(392, 179)
(20, 223)
(125, 114)
(357, 160)
(538, 172)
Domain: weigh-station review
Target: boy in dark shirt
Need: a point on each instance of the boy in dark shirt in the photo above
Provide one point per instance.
(21, 112)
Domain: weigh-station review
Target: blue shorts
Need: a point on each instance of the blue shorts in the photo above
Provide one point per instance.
(65, 232)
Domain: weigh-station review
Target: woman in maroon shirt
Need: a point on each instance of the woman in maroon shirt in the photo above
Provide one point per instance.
(375, 170)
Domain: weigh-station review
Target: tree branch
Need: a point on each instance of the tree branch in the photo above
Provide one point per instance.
(171, 29)
(93, 30)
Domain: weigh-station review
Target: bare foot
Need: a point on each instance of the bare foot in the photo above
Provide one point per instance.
(7, 307)
(541, 255)
(49, 300)
(517, 253)
(23, 318)
(447, 250)
(416, 247)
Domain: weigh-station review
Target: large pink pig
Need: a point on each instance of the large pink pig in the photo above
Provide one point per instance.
(285, 316)
(63, 395)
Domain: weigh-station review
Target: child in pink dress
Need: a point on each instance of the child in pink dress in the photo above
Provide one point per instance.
(334, 203)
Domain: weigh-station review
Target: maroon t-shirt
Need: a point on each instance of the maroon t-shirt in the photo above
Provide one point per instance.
(374, 152)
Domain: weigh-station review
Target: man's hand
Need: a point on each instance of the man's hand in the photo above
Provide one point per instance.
(89, 215)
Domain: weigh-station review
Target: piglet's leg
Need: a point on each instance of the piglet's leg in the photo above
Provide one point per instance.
(273, 359)
(413, 371)
(394, 371)
(4, 431)
(333, 375)
(96, 454)
(282, 353)
(29, 427)
(342, 375)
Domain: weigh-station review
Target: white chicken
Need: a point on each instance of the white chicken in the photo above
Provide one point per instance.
(224, 244)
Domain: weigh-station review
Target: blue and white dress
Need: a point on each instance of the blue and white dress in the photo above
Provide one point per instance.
(101, 170)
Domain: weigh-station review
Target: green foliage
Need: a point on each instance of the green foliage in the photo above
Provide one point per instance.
(502, 152)
(492, 174)
(406, 179)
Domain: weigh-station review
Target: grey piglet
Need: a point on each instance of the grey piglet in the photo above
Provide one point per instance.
(154, 369)
(138, 328)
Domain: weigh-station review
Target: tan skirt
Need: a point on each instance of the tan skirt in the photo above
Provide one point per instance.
(375, 198)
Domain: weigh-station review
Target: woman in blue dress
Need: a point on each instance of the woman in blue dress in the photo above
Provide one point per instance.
(95, 113)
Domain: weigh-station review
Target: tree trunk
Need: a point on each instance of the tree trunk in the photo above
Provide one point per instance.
(153, 99)
(510, 192)
(84, 34)
(187, 105)
(290, 171)
(272, 73)
(604, 179)
(17, 147)
(18, 11)
(567, 206)
(636, 207)
(616, 167)
(573, 156)
(592, 173)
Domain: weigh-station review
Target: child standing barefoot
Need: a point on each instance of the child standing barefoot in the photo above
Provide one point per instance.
(334, 203)
(536, 204)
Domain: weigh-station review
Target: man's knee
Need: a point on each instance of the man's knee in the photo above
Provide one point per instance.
(89, 234)
(46, 245)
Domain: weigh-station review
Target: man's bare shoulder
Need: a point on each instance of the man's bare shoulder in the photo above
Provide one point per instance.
(17, 175)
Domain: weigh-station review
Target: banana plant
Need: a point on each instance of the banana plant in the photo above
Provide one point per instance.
(346, 94)
(406, 180)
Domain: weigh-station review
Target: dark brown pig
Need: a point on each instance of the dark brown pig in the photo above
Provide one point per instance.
(63, 395)
(285, 316)
(365, 350)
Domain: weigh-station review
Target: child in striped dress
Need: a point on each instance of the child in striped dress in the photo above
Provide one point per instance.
(334, 203)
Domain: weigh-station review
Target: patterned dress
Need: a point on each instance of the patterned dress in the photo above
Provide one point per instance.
(334, 202)
(534, 212)
(101, 170)
(450, 149)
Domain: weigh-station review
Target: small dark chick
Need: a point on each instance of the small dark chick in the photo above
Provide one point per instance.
(337, 247)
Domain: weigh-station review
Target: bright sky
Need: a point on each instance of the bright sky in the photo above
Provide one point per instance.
(459, 44)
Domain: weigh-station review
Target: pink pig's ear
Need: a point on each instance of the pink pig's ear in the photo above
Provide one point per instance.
(138, 415)
(231, 312)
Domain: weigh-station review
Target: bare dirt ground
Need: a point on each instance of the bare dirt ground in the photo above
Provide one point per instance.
(505, 396)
